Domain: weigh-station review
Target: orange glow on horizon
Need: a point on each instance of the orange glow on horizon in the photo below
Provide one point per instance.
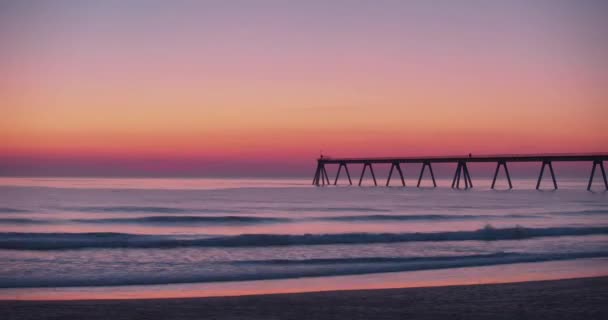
(285, 89)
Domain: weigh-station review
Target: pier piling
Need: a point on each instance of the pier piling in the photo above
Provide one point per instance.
(462, 171)
(498, 164)
(601, 164)
(542, 170)
(390, 173)
(347, 174)
(371, 169)
(424, 165)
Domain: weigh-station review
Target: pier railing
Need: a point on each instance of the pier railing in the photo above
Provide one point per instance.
(462, 172)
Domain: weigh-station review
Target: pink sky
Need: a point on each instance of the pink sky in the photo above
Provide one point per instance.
(260, 88)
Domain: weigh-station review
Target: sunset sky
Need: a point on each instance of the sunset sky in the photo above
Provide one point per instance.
(262, 87)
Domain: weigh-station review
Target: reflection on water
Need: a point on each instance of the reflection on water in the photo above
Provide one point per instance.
(81, 233)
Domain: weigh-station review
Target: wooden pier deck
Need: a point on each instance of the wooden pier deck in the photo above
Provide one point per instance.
(462, 172)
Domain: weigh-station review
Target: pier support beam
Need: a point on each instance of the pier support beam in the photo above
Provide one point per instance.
(342, 164)
(595, 163)
(368, 164)
(542, 170)
(456, 175)
(321, 177)
(315, 179)
(462, 171)
(390, 173)
(504, 164)
(467, 175)
(424, 164)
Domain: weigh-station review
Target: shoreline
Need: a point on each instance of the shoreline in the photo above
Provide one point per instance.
(494, 274)
(564, 299)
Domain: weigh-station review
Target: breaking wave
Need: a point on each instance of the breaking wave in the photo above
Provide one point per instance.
(119, 209)
(432, 217)
(61, 241)
(11, 210)
(337, 209)
(284, 269)
(187, 219)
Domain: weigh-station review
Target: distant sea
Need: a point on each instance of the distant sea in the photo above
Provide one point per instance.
(100, 234)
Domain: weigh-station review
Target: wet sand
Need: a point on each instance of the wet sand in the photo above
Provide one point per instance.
(585, 298)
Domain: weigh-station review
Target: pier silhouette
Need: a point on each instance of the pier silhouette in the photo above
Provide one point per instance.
(462, 171)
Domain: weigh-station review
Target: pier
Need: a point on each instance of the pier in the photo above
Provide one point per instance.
(462, 175)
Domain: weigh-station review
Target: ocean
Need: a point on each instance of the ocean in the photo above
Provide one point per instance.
(107, 235)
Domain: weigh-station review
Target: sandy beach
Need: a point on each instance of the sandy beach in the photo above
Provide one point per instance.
(585, 298)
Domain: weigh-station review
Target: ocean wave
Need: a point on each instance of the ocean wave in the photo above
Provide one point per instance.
(390, 217)
(237, 219)
(337, 209)
(11, 210)
(415, 217)
(507, 257)
(60, 241)
(119, 209)
(22, 221)
(187, 219)
(584, 212)
(164, 220)
(357, 260)
(285, 269)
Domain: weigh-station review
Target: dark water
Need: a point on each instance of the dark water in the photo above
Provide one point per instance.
(107, 232)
